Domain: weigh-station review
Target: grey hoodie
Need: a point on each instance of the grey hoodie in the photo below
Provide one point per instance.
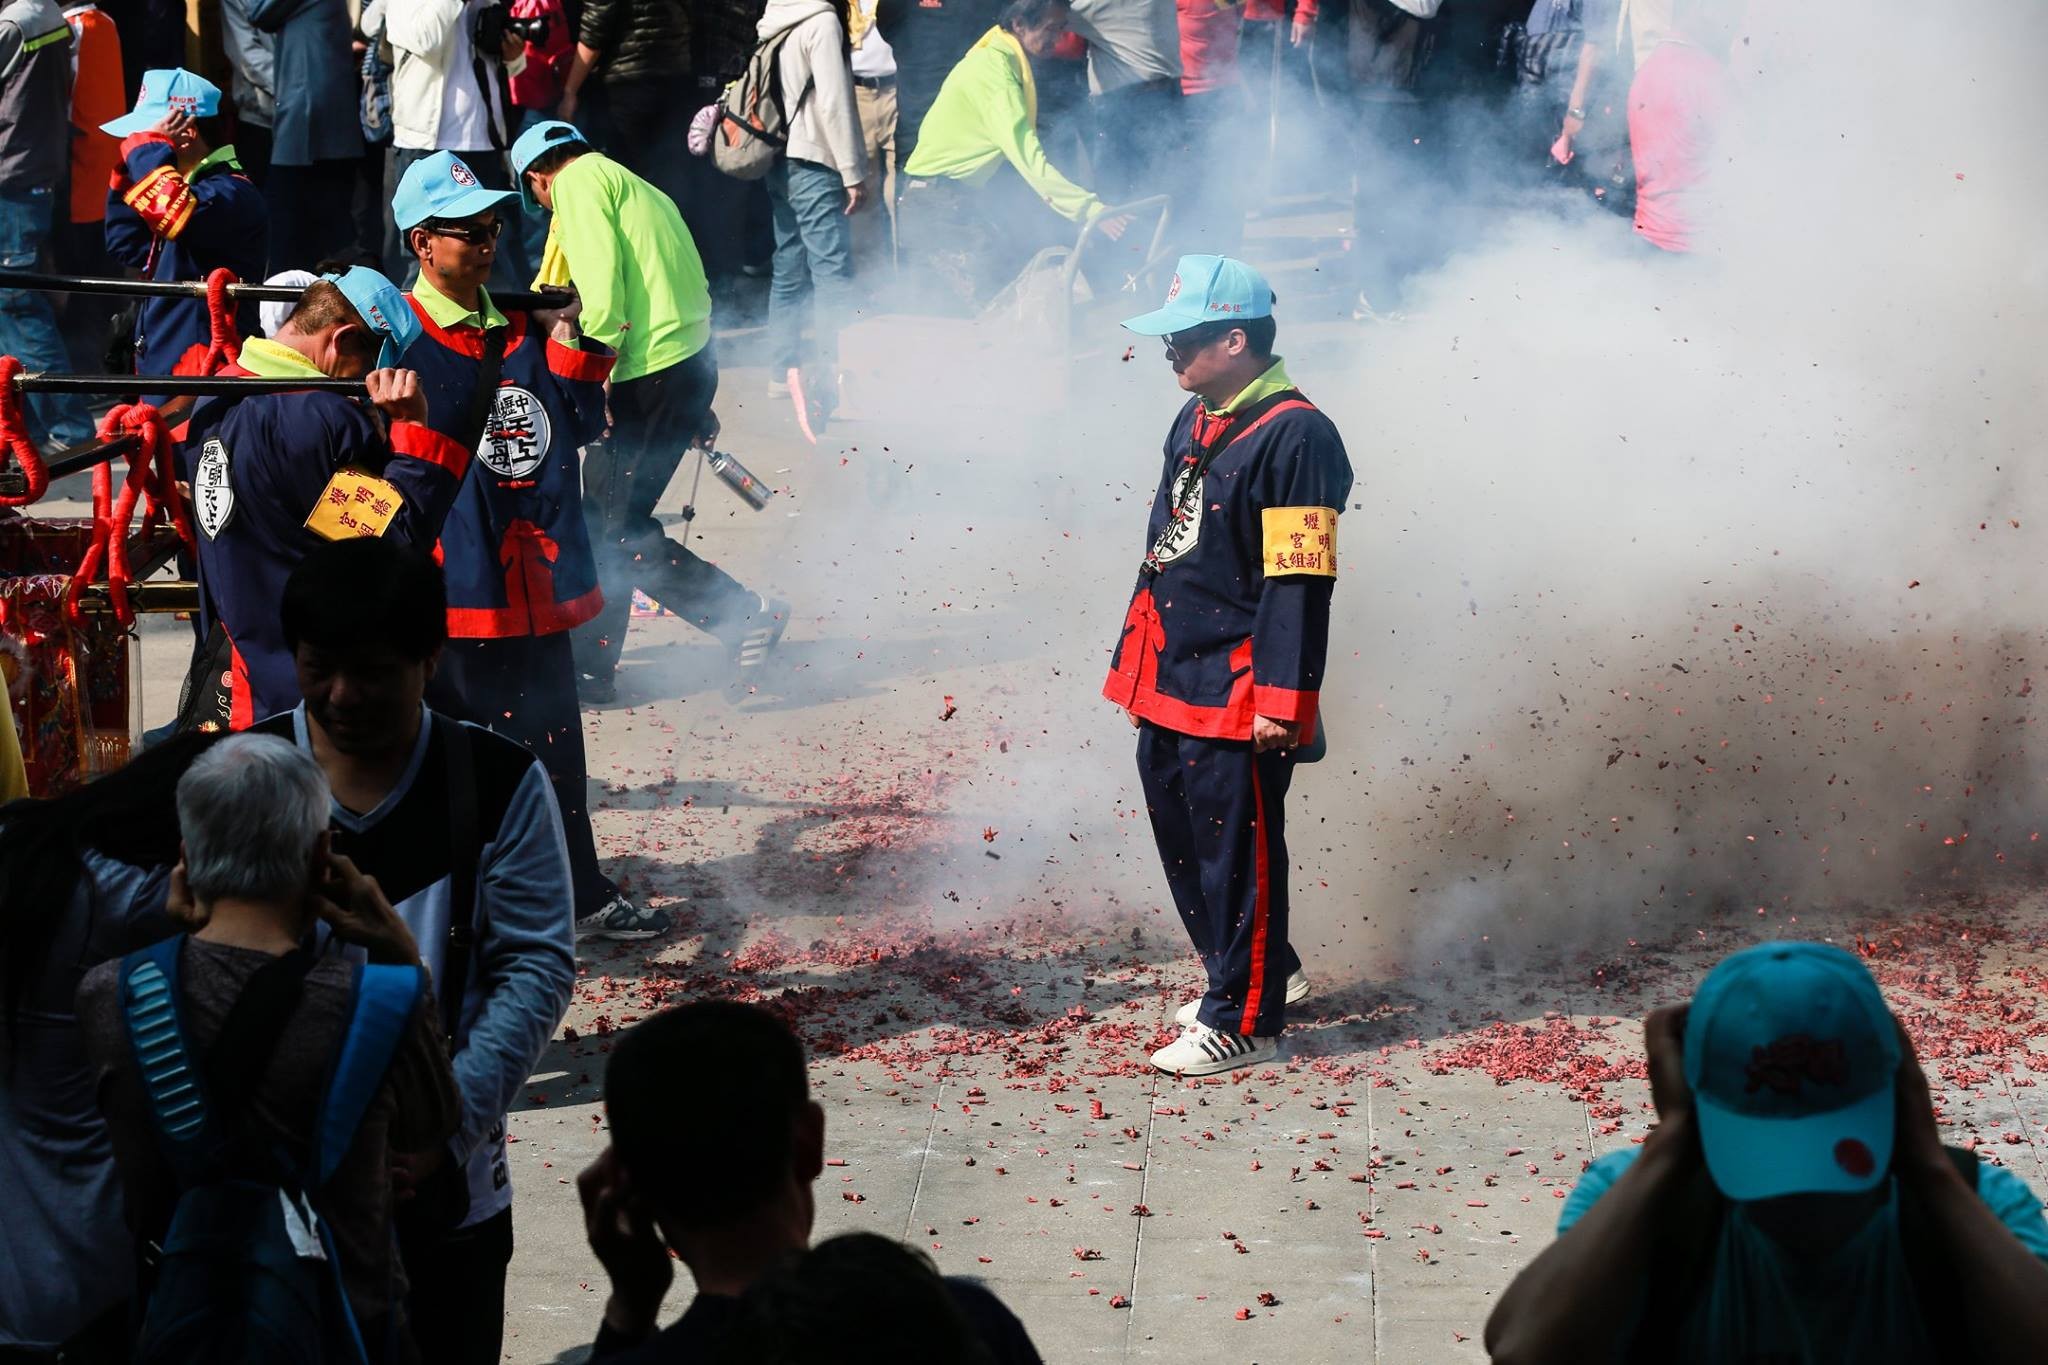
(824, 125)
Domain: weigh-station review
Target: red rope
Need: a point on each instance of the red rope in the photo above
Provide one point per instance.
(224, 342)
(15, 440)
(150, 459)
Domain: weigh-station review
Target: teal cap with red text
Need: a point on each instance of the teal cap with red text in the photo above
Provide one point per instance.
(1792, 1057)
(1207, 289)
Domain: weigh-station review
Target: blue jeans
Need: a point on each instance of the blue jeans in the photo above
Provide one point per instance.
(813, 256)
(28, 324)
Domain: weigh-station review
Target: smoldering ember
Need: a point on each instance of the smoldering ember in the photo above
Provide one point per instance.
(1686, 599)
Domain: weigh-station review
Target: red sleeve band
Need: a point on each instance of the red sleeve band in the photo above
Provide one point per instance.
(1283, 703)
(424, 443)
(583, 367)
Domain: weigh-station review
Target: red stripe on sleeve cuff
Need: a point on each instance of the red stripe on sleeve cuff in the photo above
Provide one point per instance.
(1283, 703)
(586, 367)
(424, 443)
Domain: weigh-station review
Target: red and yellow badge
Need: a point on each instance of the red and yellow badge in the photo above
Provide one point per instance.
(162, 200)
(1300, 540)
(353, 504)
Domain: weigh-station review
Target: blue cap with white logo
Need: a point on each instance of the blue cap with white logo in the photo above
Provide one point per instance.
(382, 307)
(163, 93)
(1792, 1057)
(1207, 289)
(441, 186)
(541, 137)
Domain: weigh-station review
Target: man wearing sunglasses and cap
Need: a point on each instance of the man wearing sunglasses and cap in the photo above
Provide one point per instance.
(526, 392)
(179, 209)
(1794, 1202)
(275, 474)
(1220, 662)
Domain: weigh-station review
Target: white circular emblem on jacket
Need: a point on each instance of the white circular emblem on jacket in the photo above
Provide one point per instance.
(516, 436)
(1185, 530)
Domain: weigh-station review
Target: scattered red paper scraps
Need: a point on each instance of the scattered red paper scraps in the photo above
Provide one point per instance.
(1243, 1315)
(950, 710)
(1267, 1300)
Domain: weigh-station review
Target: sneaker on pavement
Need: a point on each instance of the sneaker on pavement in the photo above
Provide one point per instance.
(619, 918)
(1297, 991)
(1203, 1051)
(763, 633)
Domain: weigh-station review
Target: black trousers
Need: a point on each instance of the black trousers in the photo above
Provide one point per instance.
(455, 1300)
(654, 420)
(1216, 816)
(524, 688)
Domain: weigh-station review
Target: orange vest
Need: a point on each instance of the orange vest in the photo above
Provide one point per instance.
(96, 97)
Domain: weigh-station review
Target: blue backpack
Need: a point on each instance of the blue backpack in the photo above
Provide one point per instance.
(247, 1271)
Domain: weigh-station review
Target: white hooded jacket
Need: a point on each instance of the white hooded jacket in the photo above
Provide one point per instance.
(824, 126)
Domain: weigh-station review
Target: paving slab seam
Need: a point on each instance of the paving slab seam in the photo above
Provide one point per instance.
(1144, 1191)
(924, 1160)
(1372, 1202)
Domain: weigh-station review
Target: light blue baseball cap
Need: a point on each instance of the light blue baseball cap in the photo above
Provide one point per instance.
(382, 307)
(441, 186)
(1792, 1057)
(1207, 289)
(541, 137)
(163, 93)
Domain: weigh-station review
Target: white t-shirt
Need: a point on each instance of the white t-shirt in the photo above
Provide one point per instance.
(465, 116)
(874, 58)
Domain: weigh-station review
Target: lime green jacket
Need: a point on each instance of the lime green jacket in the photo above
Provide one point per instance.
(987, 112)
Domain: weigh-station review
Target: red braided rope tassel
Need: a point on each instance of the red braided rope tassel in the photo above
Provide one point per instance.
(224, 341)
(111, 517)
(15, 440)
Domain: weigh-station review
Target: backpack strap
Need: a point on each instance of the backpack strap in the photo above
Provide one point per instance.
(385, 997)
(156, 1035)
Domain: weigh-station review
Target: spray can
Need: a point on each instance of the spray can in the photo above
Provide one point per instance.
(739, 479)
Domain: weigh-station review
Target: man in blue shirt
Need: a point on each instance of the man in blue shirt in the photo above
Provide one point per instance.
(1794, 1203)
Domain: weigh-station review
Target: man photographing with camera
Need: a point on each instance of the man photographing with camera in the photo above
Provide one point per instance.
(449, 93)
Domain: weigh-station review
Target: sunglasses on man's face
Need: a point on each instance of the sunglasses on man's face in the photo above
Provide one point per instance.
(476, 234)
(1185, 345)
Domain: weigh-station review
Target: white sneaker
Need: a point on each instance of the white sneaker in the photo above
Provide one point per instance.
(1202, 1051)
(1297, 991)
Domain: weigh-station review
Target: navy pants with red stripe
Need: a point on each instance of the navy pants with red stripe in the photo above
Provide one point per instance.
(1216, 815)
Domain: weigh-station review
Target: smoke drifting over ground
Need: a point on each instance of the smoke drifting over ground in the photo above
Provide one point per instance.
(1671, 585)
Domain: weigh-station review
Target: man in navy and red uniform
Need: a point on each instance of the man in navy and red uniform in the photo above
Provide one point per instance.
(521, 574)
(179, 209)
(1220, 664)
(274, 475)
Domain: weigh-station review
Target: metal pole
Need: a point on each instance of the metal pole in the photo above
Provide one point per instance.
(196, 289)
(198, 386)
(86, 456)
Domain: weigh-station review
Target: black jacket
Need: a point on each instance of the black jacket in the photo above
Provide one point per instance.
(641, 40)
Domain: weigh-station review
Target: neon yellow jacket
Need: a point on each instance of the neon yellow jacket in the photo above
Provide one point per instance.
(624, 245)
(986, 112)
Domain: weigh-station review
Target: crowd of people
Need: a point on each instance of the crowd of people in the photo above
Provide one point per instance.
(919, 154)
